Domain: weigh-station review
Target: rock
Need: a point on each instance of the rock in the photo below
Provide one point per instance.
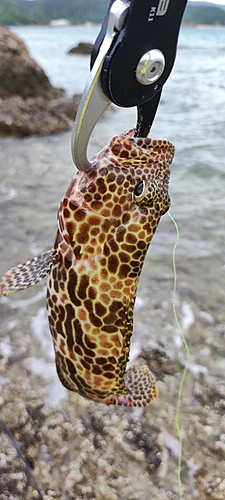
(19, 73)
(30, 105)
(81, 48)
(67, 105)
(35, 116)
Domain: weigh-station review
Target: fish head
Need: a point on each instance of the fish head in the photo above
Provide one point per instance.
(143, 163)
(127, 188)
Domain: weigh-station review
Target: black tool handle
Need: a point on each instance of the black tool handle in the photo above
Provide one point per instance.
(149, 25)
(145, 29)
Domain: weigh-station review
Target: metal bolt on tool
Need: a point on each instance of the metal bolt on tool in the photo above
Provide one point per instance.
(150, 67)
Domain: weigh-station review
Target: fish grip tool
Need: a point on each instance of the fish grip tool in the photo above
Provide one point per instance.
(132, 58)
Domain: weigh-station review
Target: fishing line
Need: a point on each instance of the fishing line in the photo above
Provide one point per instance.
(177, 416)
(15, 444)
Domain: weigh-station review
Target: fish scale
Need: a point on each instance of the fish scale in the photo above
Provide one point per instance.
(106, 221)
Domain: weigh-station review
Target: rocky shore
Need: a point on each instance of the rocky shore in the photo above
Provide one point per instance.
(29, 103)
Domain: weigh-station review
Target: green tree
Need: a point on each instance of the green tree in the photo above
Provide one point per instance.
(195, 14)
(42, 11)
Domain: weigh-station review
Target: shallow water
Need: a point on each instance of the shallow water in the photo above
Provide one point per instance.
(34, 175)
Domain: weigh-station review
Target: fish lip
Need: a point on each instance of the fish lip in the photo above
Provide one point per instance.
(149, 147)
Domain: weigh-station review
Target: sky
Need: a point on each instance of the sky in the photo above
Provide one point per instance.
(221, 2)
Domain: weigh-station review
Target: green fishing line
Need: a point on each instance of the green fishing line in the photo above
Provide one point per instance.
(177, 417)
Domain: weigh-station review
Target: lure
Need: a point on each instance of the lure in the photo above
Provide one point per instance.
(106, 222)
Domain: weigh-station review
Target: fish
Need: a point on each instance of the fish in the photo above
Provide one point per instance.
(106, 221)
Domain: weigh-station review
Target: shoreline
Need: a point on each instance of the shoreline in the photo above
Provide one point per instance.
(86, 26)
(93, 25)
(202, 26)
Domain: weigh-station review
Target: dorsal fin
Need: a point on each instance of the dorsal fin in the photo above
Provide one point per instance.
(27, 274)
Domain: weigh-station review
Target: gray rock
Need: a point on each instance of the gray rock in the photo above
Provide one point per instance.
(35, 116)
(81, 48)
(30, 105)
(19, 73)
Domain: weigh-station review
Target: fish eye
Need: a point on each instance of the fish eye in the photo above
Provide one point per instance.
(139, 191)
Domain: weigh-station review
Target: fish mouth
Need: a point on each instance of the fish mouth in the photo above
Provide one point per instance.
(126, 150)
(142, 149)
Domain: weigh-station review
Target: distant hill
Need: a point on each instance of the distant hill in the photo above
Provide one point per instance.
(204, 13)
(14, 12)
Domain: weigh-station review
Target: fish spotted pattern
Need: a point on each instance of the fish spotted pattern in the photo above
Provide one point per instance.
(106, 222)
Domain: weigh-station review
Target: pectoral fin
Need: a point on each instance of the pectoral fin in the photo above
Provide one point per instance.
(140, 385)
(27, 274)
